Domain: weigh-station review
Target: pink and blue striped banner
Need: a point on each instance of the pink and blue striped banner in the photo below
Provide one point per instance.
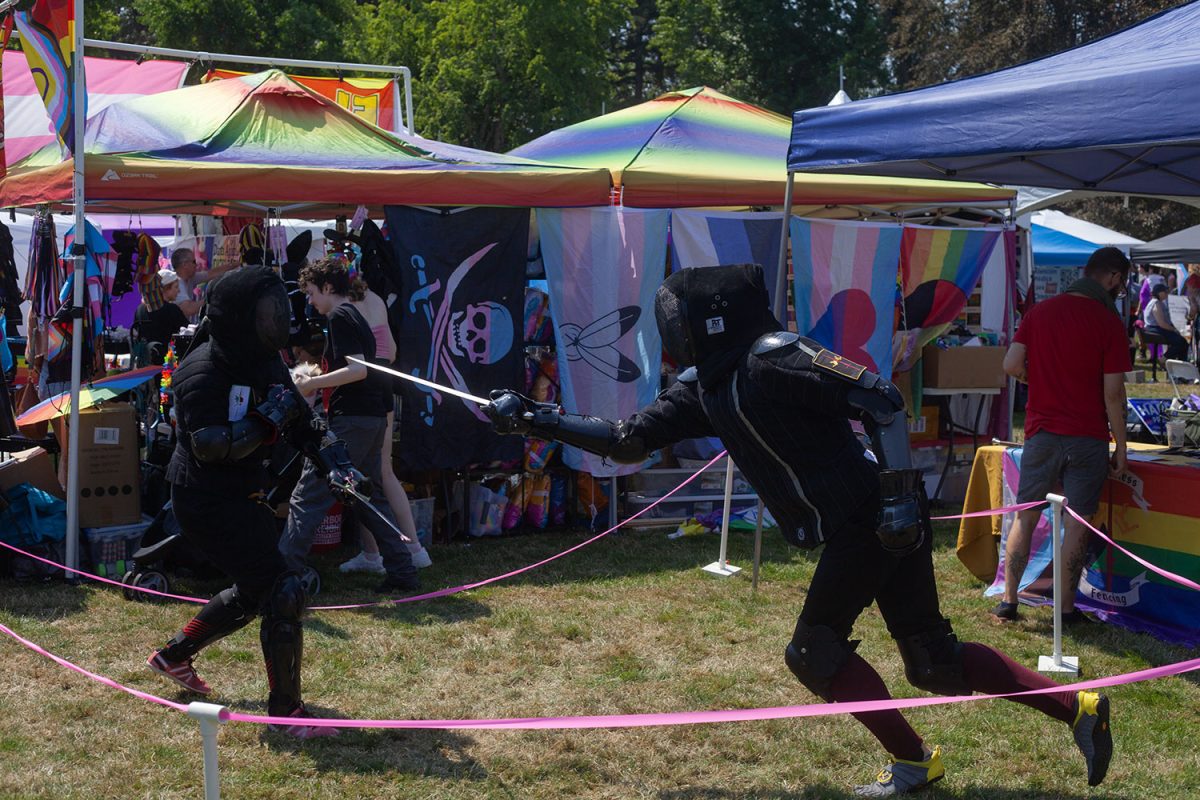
(845, 287)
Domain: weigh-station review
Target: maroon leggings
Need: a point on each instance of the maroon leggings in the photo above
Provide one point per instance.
(855, 571)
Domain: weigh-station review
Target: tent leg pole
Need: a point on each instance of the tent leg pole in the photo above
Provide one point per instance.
(79, 256)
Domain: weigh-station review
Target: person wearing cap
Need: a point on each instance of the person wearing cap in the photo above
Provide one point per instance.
(159, 325)
(1157, 317)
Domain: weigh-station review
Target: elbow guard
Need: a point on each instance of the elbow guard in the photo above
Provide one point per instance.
(220, 444)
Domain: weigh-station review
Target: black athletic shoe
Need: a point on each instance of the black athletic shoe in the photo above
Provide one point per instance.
(393, 585)
(1092, 734)
(1005, 612)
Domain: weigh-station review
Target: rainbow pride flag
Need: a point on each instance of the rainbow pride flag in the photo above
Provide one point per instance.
(940, 267)
(48, 37)
(845, 287)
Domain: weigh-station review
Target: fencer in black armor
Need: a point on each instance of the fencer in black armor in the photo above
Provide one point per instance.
(233, 398)
(782, 404)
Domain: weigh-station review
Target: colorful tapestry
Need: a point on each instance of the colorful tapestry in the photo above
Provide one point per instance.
(715, 238)
(603, 266)
(845, 287)
(462, 296)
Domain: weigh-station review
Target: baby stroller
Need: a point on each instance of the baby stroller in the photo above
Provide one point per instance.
(164, 549)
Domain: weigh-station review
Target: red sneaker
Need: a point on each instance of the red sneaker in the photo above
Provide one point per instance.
(300, 730)
(179, 671)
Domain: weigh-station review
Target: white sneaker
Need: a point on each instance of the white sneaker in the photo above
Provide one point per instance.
(364, 562)
(421, 559)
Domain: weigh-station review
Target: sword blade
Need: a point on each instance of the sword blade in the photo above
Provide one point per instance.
(365, 502)
(464, 395)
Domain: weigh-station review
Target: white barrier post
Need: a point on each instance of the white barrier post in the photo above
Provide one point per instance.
(721, 566)
(1057, 662)
(210, 717)
(757, 545)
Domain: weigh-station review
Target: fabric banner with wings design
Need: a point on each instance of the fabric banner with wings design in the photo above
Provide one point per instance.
(462, 298)
(603, 266)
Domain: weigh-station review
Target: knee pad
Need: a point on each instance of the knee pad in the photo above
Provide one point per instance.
(815, 655)
(933, 660)
(287, 599)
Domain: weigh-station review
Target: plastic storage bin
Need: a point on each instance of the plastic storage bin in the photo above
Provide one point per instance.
(111, 548)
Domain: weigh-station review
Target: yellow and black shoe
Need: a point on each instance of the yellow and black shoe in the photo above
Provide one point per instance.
(1093, 734)
(902, 777)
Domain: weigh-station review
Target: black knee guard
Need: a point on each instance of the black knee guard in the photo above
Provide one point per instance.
(933, 660)
(221, 616)
(282, 637)
(815, 655)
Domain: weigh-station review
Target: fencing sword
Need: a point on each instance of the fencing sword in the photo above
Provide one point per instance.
(351, 490)
(482, 401)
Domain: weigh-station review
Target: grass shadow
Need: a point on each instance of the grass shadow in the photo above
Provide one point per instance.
(43, 599)
(416, 751)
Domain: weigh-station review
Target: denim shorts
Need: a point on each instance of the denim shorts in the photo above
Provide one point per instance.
(1075, 465)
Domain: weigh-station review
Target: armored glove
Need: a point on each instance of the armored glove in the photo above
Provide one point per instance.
(281, 408)
(511, 412)
(345, 480)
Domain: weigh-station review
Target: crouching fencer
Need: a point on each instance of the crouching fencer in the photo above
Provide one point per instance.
(233, 398)
(781, 404)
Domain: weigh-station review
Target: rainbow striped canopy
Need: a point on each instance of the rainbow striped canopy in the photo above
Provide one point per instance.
(265, 139)
(698, 147)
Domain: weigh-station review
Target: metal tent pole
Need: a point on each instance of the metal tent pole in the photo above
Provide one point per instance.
(79, 256)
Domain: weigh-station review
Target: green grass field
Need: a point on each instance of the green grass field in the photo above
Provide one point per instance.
(628, 624)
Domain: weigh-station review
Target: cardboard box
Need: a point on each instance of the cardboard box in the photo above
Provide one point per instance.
(923, 427)
(109, 478)
(33, 467)
(964, 367)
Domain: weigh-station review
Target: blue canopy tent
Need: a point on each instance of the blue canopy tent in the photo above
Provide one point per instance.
(1053, 248)
(1117, 114)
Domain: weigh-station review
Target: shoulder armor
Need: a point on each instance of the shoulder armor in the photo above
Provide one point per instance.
(689, 375)
(773, 341)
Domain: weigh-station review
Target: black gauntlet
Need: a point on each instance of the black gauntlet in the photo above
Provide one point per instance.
(345, 480)
(282, 407)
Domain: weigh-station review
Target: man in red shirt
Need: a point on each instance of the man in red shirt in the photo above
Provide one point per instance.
(1073, 352)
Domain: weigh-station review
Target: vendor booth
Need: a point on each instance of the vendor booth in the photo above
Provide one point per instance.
(1156, 519)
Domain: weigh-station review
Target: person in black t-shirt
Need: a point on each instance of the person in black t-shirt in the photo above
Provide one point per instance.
(159, 325)
(358, 408)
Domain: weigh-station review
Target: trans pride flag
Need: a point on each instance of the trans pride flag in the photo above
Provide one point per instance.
(845, 287)
(603, 266)
(48, 36)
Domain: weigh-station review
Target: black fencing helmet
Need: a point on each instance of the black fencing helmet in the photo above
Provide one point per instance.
(249, 314)
(708, 316)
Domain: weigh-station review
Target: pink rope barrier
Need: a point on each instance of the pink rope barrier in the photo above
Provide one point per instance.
(634, 720)
(412, 599)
